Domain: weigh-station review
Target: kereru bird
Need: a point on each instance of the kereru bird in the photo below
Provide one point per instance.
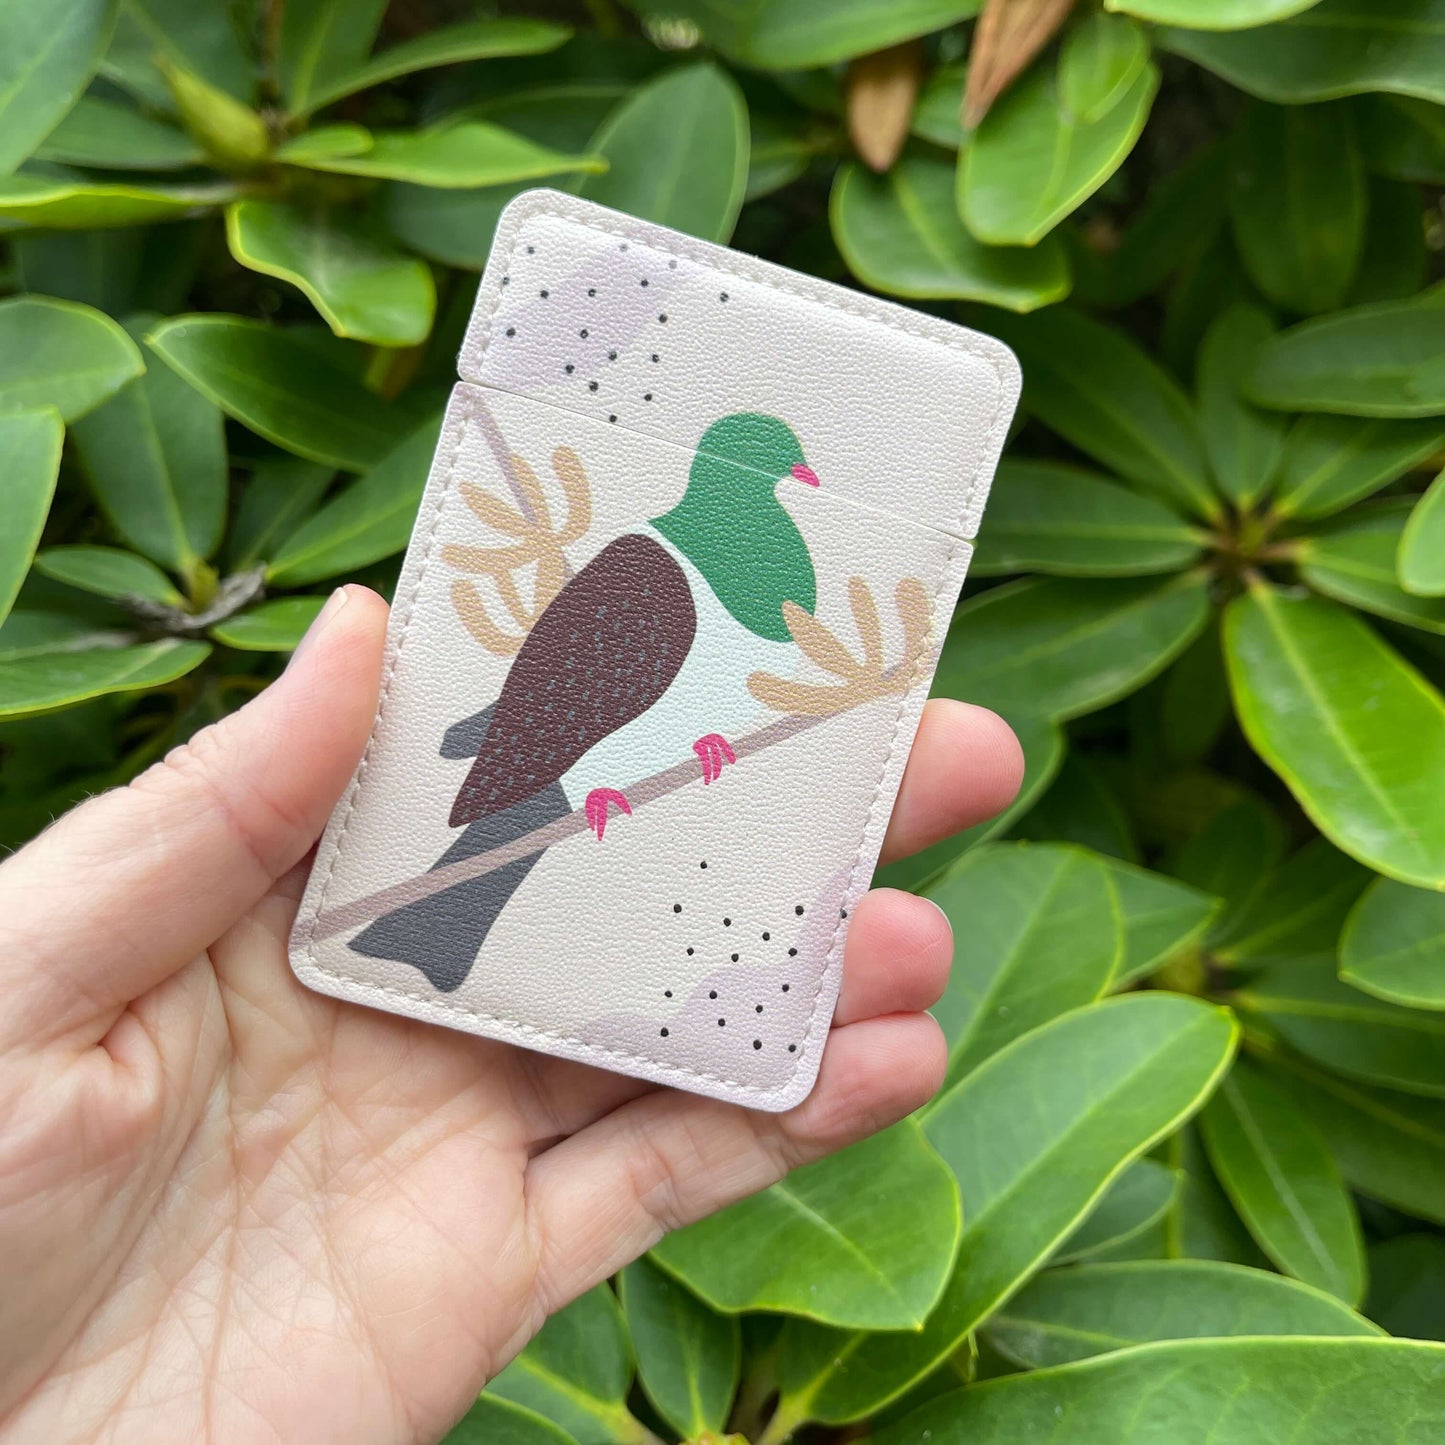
(644, 654)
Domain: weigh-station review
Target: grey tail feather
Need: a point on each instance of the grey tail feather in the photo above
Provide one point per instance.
(442, 935)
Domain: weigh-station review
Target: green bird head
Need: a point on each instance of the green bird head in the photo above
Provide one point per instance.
(734, 530)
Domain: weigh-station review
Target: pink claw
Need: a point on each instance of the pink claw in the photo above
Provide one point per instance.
(713, 750)
(596, 808)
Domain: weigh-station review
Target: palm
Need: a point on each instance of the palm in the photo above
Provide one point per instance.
(259, 1212)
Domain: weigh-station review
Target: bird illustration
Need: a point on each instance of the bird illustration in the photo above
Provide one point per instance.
(643, 654)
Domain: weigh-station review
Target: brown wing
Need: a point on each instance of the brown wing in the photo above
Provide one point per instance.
(607, 647)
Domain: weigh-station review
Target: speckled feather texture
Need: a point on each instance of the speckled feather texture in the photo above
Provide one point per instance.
(693, 532)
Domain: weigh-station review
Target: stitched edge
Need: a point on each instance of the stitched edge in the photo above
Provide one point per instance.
(831, 958)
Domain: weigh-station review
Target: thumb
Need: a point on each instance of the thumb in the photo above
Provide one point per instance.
(128, 887)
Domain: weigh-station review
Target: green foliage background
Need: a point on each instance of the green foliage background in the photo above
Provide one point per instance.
(1187, 1180)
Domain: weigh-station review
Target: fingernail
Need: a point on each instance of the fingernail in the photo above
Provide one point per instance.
(323, 620)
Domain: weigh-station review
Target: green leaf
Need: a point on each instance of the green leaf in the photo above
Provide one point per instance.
(1159, 917)
(103, 133)
(97, 268)
(48, 662)
(60, 354)
(1062, 520)
(205, 40)
(577, 1370)
(1098, 390)
(827, 1244)
(1244, 443)
(1354, 731)
(779, 150)
(1044, 937)
(1331, 461)
(108, 572)
(283, 388)
(363, 287)
(1074, 1314)
(1395, 258)
(1035, 1137)
(1407, 1286)
(1211, 14)
(1387, 359)
(47, 54)
(900, 233)
(1350, 1032)
(1068, 647)
(30, 443)
(1248, 1391)
(463, 155)
(1030, 163)
(1338, 47)
(369, 520)
(274, 626)
(227, 129)
(1099, 60)
(282, 493)
(688, 1357)
(1402, 138)
(1421, 558)
(156, 457)
(677, 153)
(797, 34)
(1233, 855)
(937, 114)
(1353, 560)
(1300, 242)
(64, 203)
(1136, 1199)
(1389, 1146)
(1202, 1224)
(1284, 1183)
(494, 1421)
(1081, 807)
(320, 40)
(446, 45)
(1393, 945)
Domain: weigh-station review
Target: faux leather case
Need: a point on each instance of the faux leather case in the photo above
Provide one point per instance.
(693, 533)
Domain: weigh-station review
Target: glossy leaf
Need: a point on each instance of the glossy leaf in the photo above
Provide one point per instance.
(1061, 520)
(1301, 254)
(827, 1244)
(1065, 646)
(1098, 390)
(900, 233)
(1402, 137)
(233, 133)
(1136, 1199)
(1334, 48)
(1379, 360)
(1035, 1137)
(1353, 561)
(47, 55)
(371, 519)
(1389, 1146)
(30, 443)
(1421, 557)
(936, 116)
(203, 39)
(1394, 945)
(576, 1372)
(1211, 14)
(318, 40)
(1197, 1392)
(1244, 443)
(1407, 1286)
(1043, 936)
(1031, 162)
(1099, 60)
(108, 572)
(1202, 1223)
(363, 287)
(281, 387)
(1331, 461)
(155, 454)
(1233, 855)
(62, 203)
(1355, 732)
(274, 626)
(49, 661)
(104, 133)
(62, 355)
(1081, 806)
(1159, 917)
(494, 1421)
(1284, 1183)
(677, 153)
(281, 494)
(1073, 1314)
(688, 1357)
(1349, 1031)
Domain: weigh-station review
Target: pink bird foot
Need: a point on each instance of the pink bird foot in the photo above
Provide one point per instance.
(713, 750)
(596, 808)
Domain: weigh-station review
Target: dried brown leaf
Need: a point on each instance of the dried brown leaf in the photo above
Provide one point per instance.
(1008, 35)
(882, 90)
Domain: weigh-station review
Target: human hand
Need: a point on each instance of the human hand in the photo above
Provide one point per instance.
(233, 1209)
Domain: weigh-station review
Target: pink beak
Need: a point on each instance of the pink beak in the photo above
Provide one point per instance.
(806, 475)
